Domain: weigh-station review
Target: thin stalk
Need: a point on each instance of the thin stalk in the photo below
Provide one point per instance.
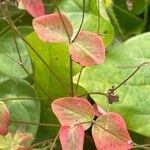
(145, 146)
(83, 14)
(56, 5)
(34, 123)
(11, 23)
(23, 98)
(98, 13)
(145, 63)
(71, 77)
(146, 14)
(77, 85)
(7, 27)
(40, 58)
(40, 143)
(51, 148)
(98, 93)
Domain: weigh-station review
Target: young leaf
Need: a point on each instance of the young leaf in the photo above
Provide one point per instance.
(4, 119)
(15, 142)
(110, 132)
(50, 28)
(73, 110)
(34, 7)
(88, 49)
(72, 138)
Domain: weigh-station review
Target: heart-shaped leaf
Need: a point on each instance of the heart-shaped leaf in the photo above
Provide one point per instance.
(72, 138)
(50, 28)
(134, 94)
(34, 7)
(88, 49)
(73, 110)
(110, 132)
(4, 119)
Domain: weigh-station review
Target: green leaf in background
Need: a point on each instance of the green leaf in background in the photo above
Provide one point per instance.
(138, 6)
(21, 110)
(8, 66)
(134, 95)
(73, 10)
(129, 23)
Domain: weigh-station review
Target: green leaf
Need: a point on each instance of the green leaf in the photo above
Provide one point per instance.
(138, 6)
(7, 49)
(21, 110)
(56, 56)
(73, 10)
(130, 23)
(134, 95)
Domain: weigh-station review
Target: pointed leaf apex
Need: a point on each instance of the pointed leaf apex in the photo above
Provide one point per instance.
(4, 118)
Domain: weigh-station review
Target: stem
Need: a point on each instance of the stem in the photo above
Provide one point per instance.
(7, 27)
(12, 25)
(54, 141)
(23, 98)
(40, 58)
(33, 123)
(98, 12)
(145, 63)
(146, 13)
(83, 14)
(40, 143)
(98, 93)
(145, 146)
(71, 77)
(69, 38)
(77, 85)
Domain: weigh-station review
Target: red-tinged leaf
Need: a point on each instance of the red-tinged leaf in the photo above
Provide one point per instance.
(72, 138)
(50, 28)
(110, 133)
(73, 110)
(4, 119)
(88, 49)
(34, 7)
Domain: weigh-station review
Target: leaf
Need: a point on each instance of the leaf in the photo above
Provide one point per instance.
(73, 10)
(129, 23)
(34, 7)
(56, 56)
(4, 119)
(73, 110)
(9, 68)
(88, 49)
(50, 28)
(109, 132)
(15, 141)
(134, 100)
(72, 138)
(21, 110)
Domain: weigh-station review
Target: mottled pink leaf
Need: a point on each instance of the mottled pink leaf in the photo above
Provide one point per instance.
(88, 49)
(4, 119)
(50, 28)
(73, 110)
(110, 133)
(34, 7)
(72, 138)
